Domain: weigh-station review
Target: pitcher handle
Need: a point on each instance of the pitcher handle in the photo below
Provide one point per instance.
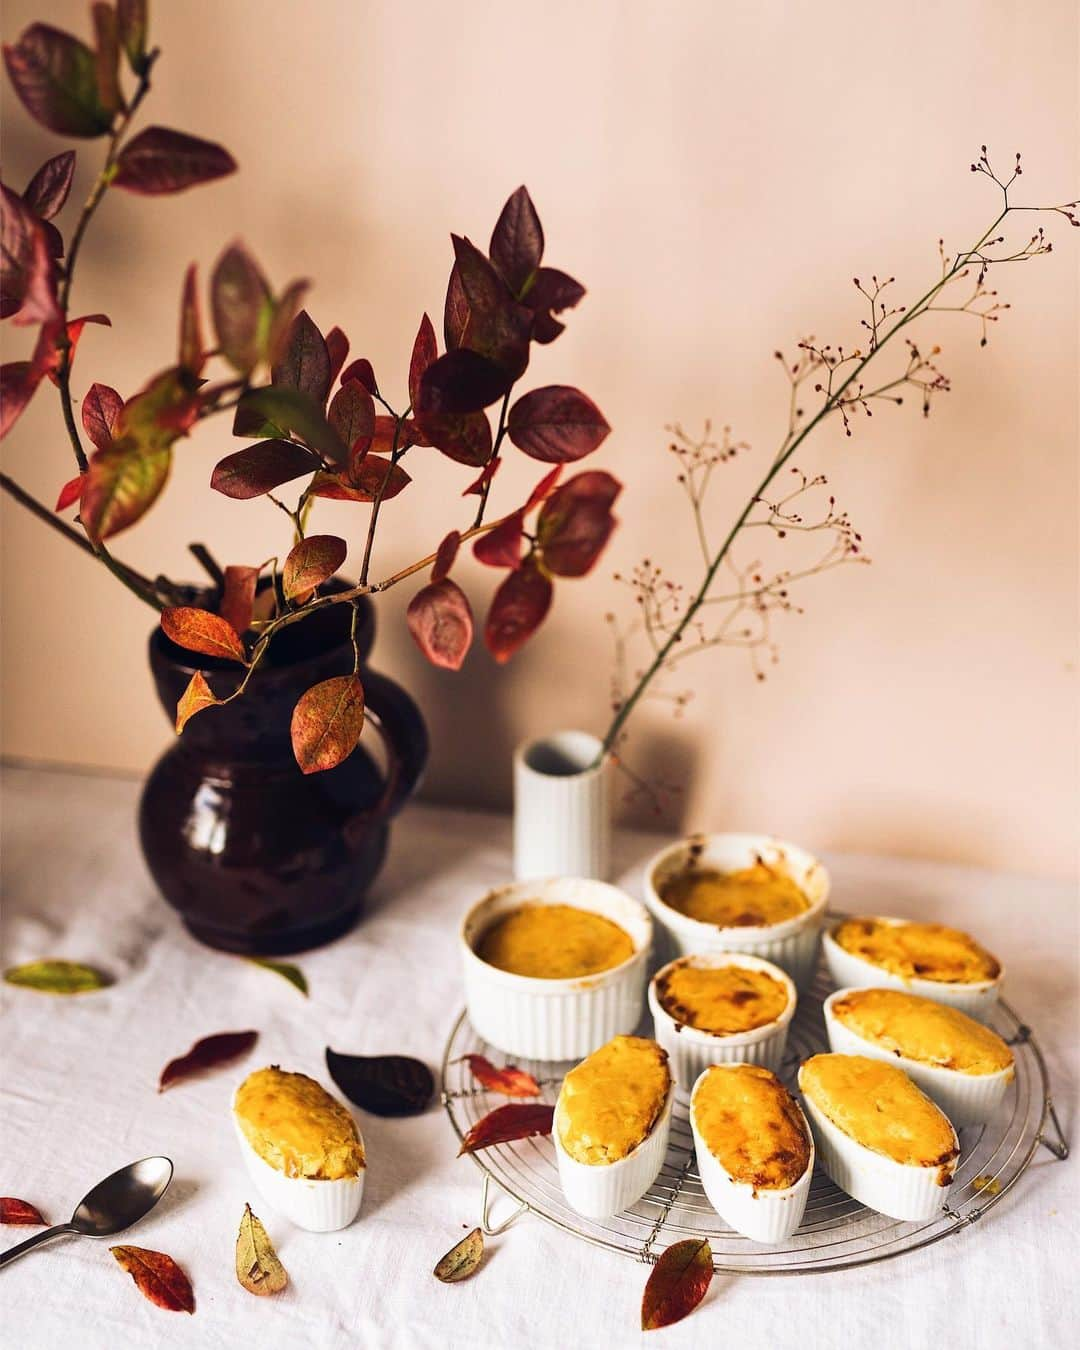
(397, 719)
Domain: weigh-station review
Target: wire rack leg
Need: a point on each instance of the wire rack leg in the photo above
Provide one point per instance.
(647, 1254)
(1059, 1147)
(493, 1230)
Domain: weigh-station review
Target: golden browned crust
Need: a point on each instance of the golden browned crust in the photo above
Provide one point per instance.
(751, 897)
(752, 1126)
(297, 1127)
(609, 1104)
(554, 942)
(925, 951)
(723, 1000)
(922, 1030)
(878, 1106)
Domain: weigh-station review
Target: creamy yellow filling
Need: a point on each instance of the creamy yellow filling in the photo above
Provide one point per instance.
(554, 942)
(922, 1030)
(749, 898)
(925, 951)
(297, 1127)
(751, 1125)
(721, 999)
(612, 1100)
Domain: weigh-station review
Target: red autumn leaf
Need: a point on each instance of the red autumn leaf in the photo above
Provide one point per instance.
(556, 423)
(46, 357)
(17, 385)
(284, 310)
(550, 291)
(131, 30)
(518, 608)
(106, 55)
(425, 353)
(261, 468)
(517, 242)
(197, 696)
(238, 597)
(337, 348)
(363, 482)
(444, 558)
(462, 381)
(677, 1283)
(159, 160)
(305, 362)
(465, 439)
(27, 273)
(55, 76)
(507, 1123)
(313, 561)
(361, 370)
(501, 546)
(19, 1212)
(19, 379)
(242, 304)
(352, 415)
(441, 622)
(70, 493)
(455, 311)
(158, 1278)
(121, 484)
(497, 326)
(477, 486)
(509, 1080)
(544, 488)
(192, 348)
(208, 1053)
(197, 630)
(101, 411)
(576, 522)
(47, 191)
(327, 722)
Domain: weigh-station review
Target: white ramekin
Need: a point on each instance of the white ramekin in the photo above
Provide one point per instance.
(691, 1051)
(759, 1213)
(791, 945)
(599, 1190)
(848, 971)
(966, 1098)
(318, 1206)
(555, 1019)
(900, 1190)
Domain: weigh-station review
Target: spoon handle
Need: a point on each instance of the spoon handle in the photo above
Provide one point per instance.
(31, 1242)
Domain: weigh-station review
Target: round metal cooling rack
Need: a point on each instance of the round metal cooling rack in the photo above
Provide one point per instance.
(837, 1232)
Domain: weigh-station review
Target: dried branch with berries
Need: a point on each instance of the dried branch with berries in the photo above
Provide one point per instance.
(322, 426)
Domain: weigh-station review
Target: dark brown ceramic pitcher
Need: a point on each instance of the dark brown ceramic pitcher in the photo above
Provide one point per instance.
(257, 857)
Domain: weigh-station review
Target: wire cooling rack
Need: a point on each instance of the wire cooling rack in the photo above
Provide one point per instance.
(837, 1232)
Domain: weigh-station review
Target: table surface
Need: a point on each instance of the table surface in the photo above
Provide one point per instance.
(79, 1099)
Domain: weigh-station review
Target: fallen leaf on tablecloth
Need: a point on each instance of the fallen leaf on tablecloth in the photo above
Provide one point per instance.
(57, 977)
(461, 1261)
(987, 1184)
(293, 974)
(385, 1085)
(257, 1266)
(678, 1282)
(19, 1211)
(207, 1054)
(158, 1276)
(507, 1123)
(510, 1081)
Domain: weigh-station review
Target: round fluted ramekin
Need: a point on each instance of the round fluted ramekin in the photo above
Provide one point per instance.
(599, 1190)
(317, 1205)
(555, 1019)
(966, 1098)
(792, 945)
(976, 997)
(900, 1190)
(691, 1050)
(760, 1213)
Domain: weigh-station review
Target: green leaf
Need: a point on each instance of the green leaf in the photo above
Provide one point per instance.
(298, 415)
(121, 484)
(293, 974)
(55, 76)
(57, 977)
(131, 29)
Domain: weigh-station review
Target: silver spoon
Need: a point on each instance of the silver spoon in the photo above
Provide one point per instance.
(113, 1205)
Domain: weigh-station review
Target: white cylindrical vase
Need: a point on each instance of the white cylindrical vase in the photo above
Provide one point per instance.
(562, 821)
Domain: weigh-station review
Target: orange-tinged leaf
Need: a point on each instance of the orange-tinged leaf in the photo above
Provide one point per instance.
(238, 596)
(122, 483)
(444, 558)
(19, 1211)
(200, 631)
(462, 1260)
(507, 1123)
(208, 1053)
(677, 1283)
(197, 696)
(326, 723)
(101, 409)
(518, 608)
(509, 1080)
(257, 1265)
(158, 1277)
(69, 493)
(313, 561)
(441, 622)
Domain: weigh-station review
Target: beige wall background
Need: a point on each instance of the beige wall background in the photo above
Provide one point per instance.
(715, 173)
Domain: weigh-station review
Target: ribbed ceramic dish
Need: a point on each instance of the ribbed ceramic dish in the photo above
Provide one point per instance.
(318, 1206)
(598, 1192)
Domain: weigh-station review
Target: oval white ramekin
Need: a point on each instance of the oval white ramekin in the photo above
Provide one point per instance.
(848, 971)
(691, 1050)
(556, 1019)
(791, 945)
(599, 1190)
(966, 1098)
(900, 1190)
(759, 1213)
(318, 1206)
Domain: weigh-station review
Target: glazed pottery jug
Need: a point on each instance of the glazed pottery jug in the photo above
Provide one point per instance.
(257, 857)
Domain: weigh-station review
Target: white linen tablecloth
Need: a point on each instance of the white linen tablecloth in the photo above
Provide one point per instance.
(79, 1082)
